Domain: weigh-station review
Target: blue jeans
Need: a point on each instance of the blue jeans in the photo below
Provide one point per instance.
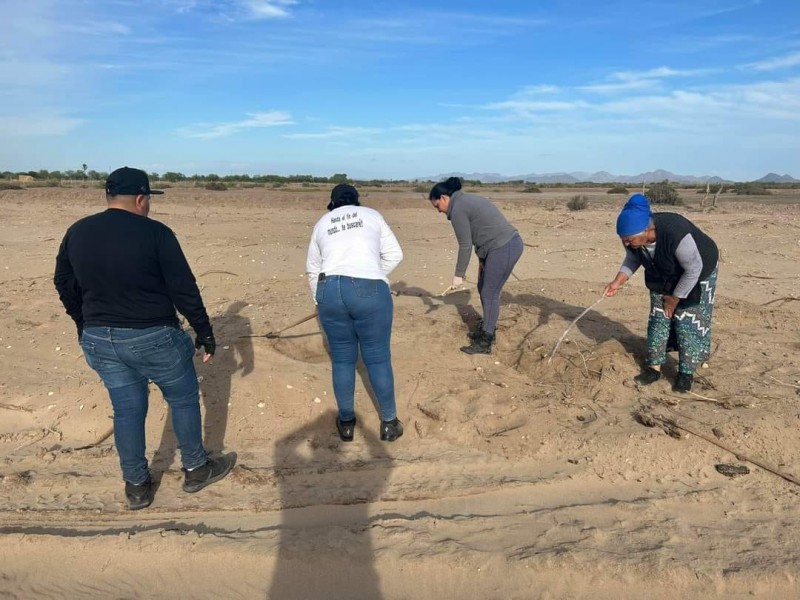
(126, 359)
(356, 314)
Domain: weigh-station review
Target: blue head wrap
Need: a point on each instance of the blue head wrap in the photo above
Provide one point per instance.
(635, 216)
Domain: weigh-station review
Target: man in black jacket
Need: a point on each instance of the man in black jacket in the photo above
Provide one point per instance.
(121, 276)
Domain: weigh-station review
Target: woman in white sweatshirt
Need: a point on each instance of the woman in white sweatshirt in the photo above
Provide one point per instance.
(352, 251)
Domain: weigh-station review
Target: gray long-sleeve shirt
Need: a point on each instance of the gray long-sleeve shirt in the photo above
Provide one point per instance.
(476, 222)
(687, 255)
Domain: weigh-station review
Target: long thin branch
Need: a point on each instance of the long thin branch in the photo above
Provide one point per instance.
(763, 465)
(563, 335)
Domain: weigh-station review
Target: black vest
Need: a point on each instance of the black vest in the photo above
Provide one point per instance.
(663, 271)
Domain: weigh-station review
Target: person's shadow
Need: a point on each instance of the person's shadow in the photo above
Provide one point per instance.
(593, 325)
(326, 485)
(215, 385)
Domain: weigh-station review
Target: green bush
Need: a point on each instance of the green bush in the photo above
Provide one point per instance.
(531, 189)
(578, 202)
(663, 193)
(751, 188)
(216, 186)
(618, 189)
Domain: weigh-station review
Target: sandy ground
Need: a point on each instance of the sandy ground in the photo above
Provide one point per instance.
(518, 477)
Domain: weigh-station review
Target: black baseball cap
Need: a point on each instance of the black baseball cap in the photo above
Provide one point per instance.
(129, 182)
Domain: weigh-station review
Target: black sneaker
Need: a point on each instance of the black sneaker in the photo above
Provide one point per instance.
(391, 430)
(346, 429)
(140, 495)
(647, 376)
(211, 472)
(683, 383)
(481, 345)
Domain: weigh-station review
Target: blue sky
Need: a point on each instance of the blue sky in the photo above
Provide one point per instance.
(387, 89)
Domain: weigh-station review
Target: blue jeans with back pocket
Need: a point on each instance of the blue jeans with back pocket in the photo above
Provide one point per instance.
(356, 315)
(126, 359)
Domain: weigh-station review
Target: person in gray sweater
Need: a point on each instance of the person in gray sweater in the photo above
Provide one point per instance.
(479, 223)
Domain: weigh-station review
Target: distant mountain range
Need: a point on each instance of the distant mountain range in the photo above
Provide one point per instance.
(603, 177)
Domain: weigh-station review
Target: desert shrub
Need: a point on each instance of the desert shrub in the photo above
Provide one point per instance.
(216, 186)
(7, 185)
(578, 202)
(277, 184)
(618, 189)
(531, 189)
(663, 193)
(421, 189)
(751, 188)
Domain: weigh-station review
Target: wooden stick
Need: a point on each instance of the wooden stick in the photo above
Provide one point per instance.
(780, 300)
(765, 466)
(16, 407)
(98, 441)
(563, 335)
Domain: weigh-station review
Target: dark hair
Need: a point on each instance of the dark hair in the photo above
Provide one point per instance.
(342, 195)
(445, 188)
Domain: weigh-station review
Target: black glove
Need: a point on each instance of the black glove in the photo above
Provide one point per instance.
(208, 343)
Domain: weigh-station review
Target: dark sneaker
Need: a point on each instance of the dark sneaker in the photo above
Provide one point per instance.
(391, 430)
(481, 345)
(140, 495)
(211, 472)
(647, 376)
(346, 429)
(683, 383)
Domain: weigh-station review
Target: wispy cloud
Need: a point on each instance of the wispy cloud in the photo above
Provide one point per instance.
(334, 132)
(268, 9)
(773, 64)
(626, 81)
(256, 120)
(37, 125)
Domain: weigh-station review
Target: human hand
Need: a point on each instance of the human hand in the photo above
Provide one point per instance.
(670, 303)
(457, 281)
(209, 345)
(611, 289)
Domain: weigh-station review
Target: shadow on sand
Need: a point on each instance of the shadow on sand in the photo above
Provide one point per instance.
(326, 487)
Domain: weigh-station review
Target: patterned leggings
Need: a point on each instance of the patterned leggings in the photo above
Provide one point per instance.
(691, 325)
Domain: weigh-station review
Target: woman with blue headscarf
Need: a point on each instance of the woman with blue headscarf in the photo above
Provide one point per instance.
(680, 270)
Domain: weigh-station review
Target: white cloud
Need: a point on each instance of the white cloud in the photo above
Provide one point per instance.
(268, 9)
(256, 120)
(773, 64)
(627, 81)
(30, 125)
(334, 132)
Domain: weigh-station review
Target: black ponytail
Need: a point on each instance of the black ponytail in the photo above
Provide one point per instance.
(445, 188)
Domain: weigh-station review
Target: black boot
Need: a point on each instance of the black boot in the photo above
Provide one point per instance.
(481, 345)
(474, 335)
(140, 495)
(391, 430)
(647, 376)
(683, 383)
(346, 429)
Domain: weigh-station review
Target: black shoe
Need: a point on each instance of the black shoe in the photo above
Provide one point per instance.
(391, 430)
(346, 429)
(140, 495)
(647, 376)
(211, 472)
(683, 383)
(474, 335)
(481, 345)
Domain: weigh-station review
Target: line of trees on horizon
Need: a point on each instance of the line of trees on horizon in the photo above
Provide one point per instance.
(55, 178)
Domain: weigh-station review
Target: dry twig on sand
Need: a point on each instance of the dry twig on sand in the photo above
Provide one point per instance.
(16, 407)
(784, 299)
(672, 423)
(578, 318)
